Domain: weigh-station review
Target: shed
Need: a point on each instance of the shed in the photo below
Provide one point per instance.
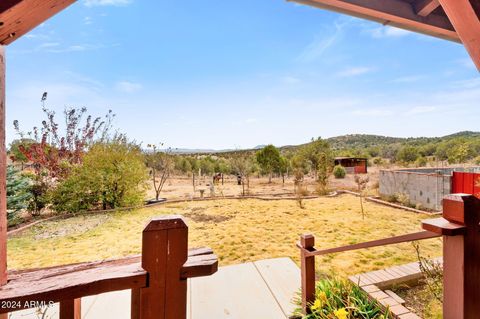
(353, 165)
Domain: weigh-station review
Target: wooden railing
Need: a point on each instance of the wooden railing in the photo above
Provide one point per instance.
(460, 228)
(157, 278)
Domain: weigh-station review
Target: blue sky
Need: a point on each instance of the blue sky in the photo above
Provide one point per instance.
(235, 74)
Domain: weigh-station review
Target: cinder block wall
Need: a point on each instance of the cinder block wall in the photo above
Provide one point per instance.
(423, 186)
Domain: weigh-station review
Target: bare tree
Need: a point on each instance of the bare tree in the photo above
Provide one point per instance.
(161, 164)
(362, 183)
(243, 165)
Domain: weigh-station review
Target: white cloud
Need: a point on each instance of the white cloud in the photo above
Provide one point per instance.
(98, 3)
(388, 32)
(290, 80)
(128, 87)
(315, 49)
(251, 120)
(409, 79)
(87, 20)
(467, 63)
(373, 112)
(354, 71)
(421, 110)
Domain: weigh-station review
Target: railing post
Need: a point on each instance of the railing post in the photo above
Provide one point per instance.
(164, 251)
(3, 172)
(461, 255)
(71, 309)
(307, 243)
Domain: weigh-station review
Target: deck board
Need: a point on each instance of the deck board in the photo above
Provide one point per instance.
(263, 289)
(283, 278)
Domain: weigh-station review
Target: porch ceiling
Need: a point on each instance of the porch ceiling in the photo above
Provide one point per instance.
(454, 20)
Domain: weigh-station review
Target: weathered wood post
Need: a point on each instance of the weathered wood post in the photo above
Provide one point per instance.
(307, 242)
(71, 309)
(164, 252)
(3, 177)
(461, 255)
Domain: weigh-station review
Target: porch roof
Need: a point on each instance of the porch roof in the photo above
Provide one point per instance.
(454, 20)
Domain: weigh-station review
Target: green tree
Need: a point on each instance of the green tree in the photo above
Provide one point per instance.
(18, 193)
(283, 166)
(408, 154)
(319, 156)
(113, 174)
(269, 160)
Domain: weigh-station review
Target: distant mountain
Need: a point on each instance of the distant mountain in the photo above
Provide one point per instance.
(346, 141)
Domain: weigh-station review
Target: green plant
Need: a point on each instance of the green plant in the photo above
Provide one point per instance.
(112, 175)
(339, 171)
(421, 161)
(432, 274)
(18, 193)
(341, 299)
(269, 160)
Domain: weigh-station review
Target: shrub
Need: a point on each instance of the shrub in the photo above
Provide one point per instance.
(337, 298)
(378, 161)
(112, 175)
(421, 161)
(18, 193)
(339, 171)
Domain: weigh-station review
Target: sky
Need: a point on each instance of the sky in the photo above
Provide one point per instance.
(236, 74)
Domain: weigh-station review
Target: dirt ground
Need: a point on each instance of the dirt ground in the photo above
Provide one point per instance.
(181, 187)
(238, 230)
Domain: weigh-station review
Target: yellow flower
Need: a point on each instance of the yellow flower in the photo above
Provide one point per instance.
(322, 296)
(341, 313)
(316, 305)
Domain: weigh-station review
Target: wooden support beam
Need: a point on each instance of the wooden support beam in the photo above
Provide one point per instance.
(3, 174)
(391, 12)
(465, 18)
(461, 256)
(17, 17)
(425, 7)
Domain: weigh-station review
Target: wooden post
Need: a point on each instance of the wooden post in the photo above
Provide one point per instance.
(71, 309)
(461, 255)
(308, 272)
(164, 252)
(3, 177)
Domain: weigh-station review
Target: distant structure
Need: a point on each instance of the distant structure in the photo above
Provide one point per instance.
(426, 187)
(353, 165)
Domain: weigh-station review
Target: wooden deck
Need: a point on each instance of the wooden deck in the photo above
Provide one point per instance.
(262, 289)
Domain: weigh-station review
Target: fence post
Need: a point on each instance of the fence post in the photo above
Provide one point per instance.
(307, 242)
(71, 309)
(164, 251)
(461, 255)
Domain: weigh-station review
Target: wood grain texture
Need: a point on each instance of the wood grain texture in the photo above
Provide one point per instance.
(73, 281)
(71, 309)
(164, 252)
(307, 268)
(425, 7)
(3, 175)
(19, 17)
(391, 12)
(441, 226)
(374, 243)
(466, 21)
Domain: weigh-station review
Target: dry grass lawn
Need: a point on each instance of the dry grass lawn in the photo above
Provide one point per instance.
(237, 230)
